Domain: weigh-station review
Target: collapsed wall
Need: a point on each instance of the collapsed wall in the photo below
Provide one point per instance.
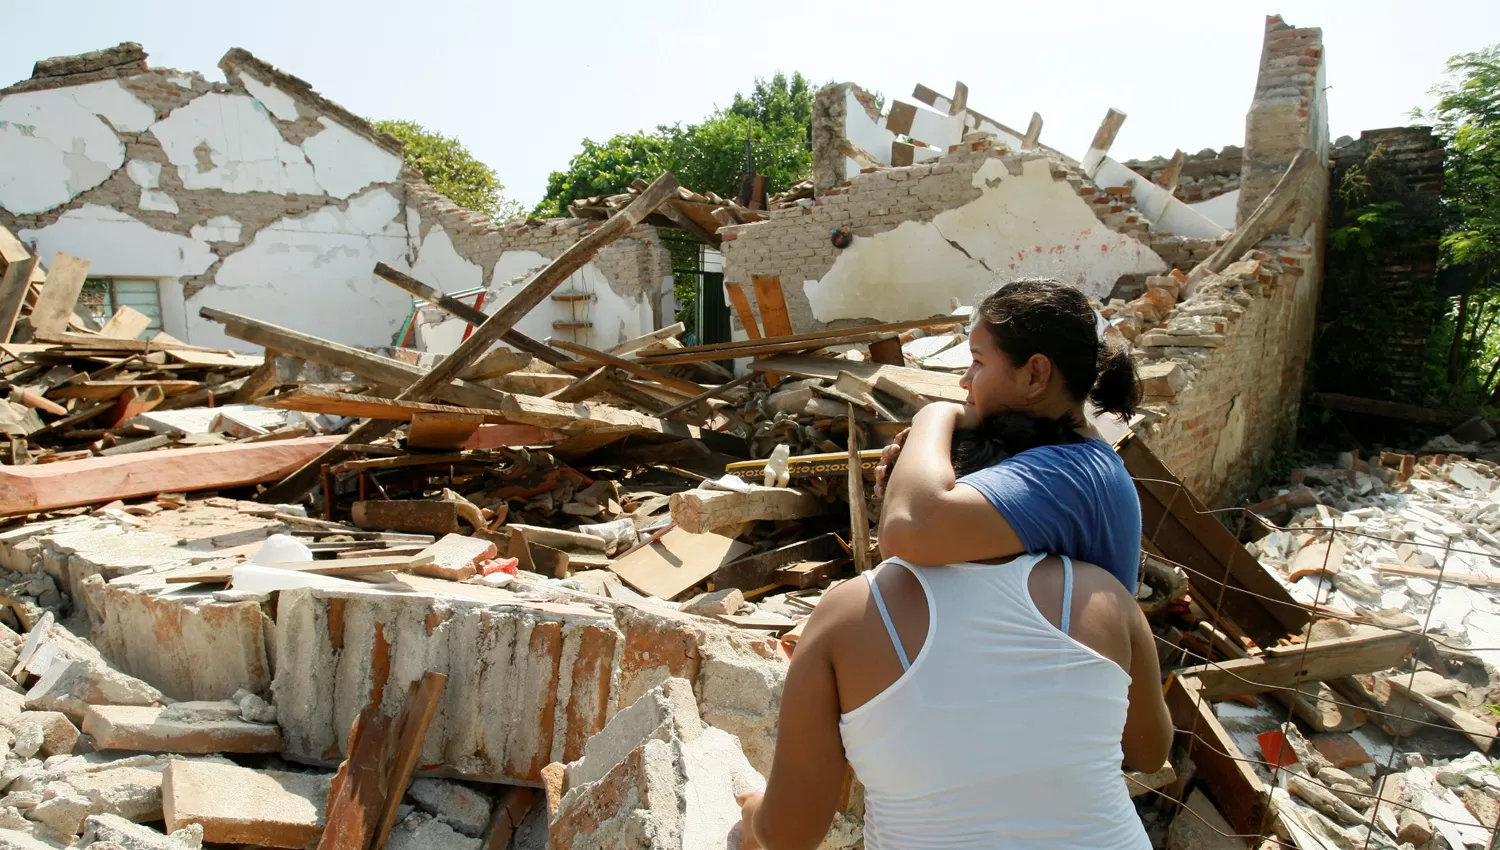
(259, 196)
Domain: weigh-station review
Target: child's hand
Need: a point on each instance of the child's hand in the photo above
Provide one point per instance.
(888, 457)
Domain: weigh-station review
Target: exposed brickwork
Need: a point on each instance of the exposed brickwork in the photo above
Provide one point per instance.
(1288, 113)
(1205, 175)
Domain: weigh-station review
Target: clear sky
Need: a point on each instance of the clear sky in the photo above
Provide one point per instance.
(523, 84)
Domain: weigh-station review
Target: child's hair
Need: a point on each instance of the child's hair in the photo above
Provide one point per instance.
(1005, 434)
(1048, 317)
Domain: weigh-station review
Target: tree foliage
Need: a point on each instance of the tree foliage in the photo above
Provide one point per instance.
(708, 156)
(451, 169)
(1467, 119)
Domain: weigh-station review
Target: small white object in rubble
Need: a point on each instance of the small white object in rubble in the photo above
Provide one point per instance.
(730, 482)
(281, 549)
(727, 601)
(776, 466)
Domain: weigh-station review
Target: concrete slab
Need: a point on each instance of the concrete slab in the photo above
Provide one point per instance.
(154, 729)
(237, 805)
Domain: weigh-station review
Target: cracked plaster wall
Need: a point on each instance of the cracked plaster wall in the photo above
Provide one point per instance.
(927, 233)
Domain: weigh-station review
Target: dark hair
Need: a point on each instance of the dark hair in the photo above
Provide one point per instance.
(1001, 435)
(1048, 317)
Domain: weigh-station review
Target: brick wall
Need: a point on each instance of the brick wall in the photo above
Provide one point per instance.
(1205, 175)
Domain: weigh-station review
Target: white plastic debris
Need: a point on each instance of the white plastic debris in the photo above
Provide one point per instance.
(776, 466)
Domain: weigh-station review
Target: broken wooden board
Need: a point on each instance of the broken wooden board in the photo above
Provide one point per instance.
(772, 303)
(54, 306)
(631, 346)
(1293, 666)
(1322, 556)
(105, 390)
(98, 480)
(13, 288)
(1467, 579)
(1480, 731)
(425, 516)
(126, 323)
(216, 359)
(1183, 531)
(701, 511)
(913, 383)
(742, 309)
(825, 465)
(757, 571)
(678, 561)
(357, 794)
(1219, 761)
(311, 400)
(410, 731)
(501, 361)
(443, 430)
(346, 567)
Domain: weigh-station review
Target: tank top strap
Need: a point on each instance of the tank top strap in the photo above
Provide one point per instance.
(1067, 599)
(885, 617)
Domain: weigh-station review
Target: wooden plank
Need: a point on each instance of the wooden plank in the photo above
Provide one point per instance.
(859, 523)
(356, 796)
(822, 465)
(628, 366)
(1449, 577)
(701, 511)
(584, 388)
(99, 390)
(501, 361)
(1295, 666)
(757, 571)
(312, 400)
(909, 383)
(134, 402)
(11, 249)
(1183, 530)
(426, 516)
(346, 567)
(796, 342)
(54, 306)
(484, 337)
(772, 303)
(1104, 138)
(887, 352)
(473, 315)
(686, 222)
(808, 573)
(678, 561)
(432, 430)
(1220, 764)
(97, 480)
(385, 371)
(260, 382)
(126, 323)
(1480, 731)
(741, 303)
(631, 346)
(411, 730)
(216, 359)
(713, 393)
(13, 288)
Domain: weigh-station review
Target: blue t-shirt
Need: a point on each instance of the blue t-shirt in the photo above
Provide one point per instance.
(1075, 500)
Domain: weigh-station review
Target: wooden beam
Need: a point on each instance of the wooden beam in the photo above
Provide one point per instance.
(13, 288)
(630, 366)
(584, 388)
(423, 516)
(906, 384)
(1032, 140)
(712, 393)
(742, 309)
(1295, 666)
(357, 793)
(795, 342)
(631, 346)
(1389, 409)
(1480, 731)
(260, 382)
(686, 222)
(345, 567)
(772, 303)
(54, 306)
(313, 400)
(474, 316)
(500, 361)
(960, 101)
(575, 257)
(126, 323)
(382, 370)
(411, 730)
(1266, 218)
(442, 430)
(702, 511)
(1220, 763)
(1108, 129)
(859, 523)
(1171, 176)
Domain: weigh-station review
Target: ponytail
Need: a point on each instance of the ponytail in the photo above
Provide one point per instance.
(1116, 390)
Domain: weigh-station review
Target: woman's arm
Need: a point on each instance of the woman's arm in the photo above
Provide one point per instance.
(807, 775)
(927, 519)
(1148, 724)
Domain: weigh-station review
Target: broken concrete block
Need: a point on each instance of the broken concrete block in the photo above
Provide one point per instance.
(467, 810)
(132, 792)
(46, 732)
(253, 709)
(1414, 828)
(72, 686)
(1202, 828)
(64, 813)
(1162, 379)
(15, 839)
(98, 829)
(237, 805)
(454, 557)
(668, 792)
(11, 705)
(727, 601)
(154, 729)
(419, 831)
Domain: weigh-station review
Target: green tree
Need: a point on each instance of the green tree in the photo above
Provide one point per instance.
(708, 156)
(451, 169)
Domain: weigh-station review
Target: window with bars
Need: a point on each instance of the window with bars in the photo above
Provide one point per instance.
(103, 296)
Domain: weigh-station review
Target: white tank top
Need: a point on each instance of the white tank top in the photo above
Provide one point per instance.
(1003, 731)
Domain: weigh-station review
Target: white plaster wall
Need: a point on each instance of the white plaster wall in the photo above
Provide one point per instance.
(859, 129)
(246, 151)
(313, 274)
(1022, 225)
(1220, 210)
(120, 246)
(1159, 206)
(615, 318)
(54, 145)
(345, 162)
(281, 104)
